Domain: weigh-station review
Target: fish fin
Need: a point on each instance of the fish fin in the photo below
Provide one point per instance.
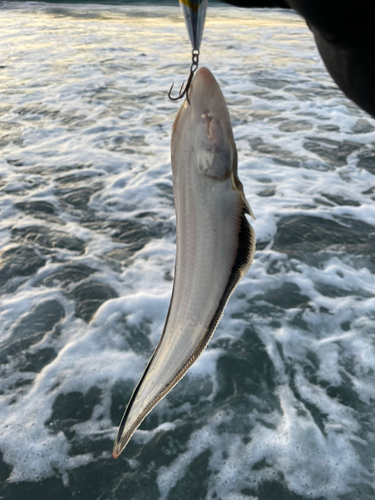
(248, 207)
(238, 186)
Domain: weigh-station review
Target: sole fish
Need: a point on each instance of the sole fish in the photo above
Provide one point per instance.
(215, 244)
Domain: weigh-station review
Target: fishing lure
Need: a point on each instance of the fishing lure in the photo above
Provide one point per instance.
(195, 14)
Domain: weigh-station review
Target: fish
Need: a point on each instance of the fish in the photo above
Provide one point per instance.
(215, 244)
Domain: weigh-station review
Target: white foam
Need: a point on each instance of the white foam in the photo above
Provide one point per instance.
(87, 97)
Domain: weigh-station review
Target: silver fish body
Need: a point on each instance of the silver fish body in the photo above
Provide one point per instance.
(215, 244)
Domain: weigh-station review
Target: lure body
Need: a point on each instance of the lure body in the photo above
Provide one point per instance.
(214, 244)
(195, 14)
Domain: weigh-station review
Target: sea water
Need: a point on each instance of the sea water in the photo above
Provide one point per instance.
(281, 404)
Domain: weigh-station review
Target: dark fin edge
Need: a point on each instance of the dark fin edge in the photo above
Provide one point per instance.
(244, 257)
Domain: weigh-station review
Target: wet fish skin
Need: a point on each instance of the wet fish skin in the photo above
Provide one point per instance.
(215, 244)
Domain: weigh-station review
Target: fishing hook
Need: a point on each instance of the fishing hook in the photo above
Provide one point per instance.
(184, 89)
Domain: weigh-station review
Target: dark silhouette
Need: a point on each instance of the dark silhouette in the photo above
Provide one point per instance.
(345, 36)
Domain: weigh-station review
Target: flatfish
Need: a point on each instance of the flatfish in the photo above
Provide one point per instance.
(215, 244)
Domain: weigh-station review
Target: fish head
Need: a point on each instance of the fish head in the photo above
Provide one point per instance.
(204, 118)
(204, 121)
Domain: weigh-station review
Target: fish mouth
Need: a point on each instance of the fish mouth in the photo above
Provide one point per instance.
(204, 92)
(204, 79)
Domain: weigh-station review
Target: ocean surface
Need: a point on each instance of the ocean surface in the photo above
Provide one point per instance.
(281, 404)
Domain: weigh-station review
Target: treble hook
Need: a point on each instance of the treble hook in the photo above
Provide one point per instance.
(184, 89)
